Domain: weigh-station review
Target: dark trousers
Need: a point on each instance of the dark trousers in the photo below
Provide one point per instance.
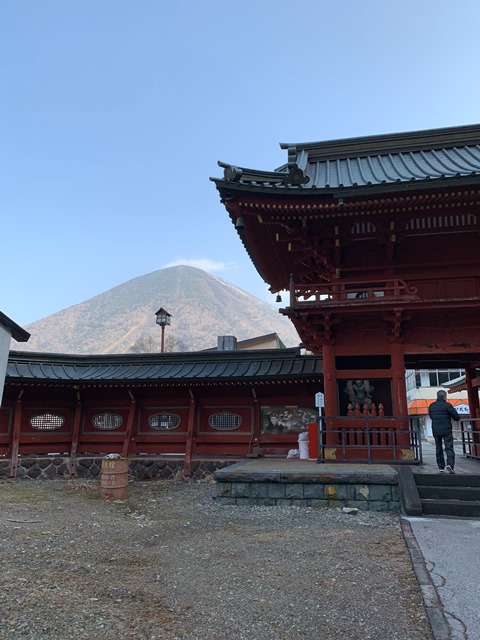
(448, 442)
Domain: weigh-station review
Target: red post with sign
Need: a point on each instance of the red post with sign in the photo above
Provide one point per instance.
(313, 440)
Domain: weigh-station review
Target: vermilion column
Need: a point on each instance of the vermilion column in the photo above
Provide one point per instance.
(330, 390)
(472, 394)
(473, 404)
(400, 407)
(399, 390)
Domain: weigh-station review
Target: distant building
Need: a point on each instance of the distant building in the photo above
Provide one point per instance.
(422, 387)
(8, 330)
(230, 343)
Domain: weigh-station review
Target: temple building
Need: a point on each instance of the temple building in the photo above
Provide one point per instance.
(375, 241)
(164, 411)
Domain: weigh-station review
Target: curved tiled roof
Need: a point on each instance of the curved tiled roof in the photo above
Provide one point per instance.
(164, 368)
(374, 161)
(394, 167)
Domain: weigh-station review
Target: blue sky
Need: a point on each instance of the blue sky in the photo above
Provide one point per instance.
(113, 114)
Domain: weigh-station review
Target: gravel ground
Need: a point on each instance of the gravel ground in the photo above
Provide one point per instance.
(171, 563)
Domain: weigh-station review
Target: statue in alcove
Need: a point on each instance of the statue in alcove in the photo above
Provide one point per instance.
(360, 392)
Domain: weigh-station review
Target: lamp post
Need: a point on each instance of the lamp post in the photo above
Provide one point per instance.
(163, 318)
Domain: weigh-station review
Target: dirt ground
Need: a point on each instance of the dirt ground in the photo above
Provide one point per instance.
(169, 562)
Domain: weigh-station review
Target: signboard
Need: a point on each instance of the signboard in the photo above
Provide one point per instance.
(319, 399)
(462, 409)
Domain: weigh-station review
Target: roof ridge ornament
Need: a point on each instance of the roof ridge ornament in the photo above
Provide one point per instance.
(231, 173)
(295, 176)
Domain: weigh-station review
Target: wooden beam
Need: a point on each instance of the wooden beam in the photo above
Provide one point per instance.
(15, 443)
(190, 434)
(476, 382)
(254, 446)
(128, 441)
(75, 435)
(472, 392)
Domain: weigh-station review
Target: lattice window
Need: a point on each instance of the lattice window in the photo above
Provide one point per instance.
(225, 421)
(47, 422)
(164, 421)
(363, 228)
(448, 221)
(107, 421)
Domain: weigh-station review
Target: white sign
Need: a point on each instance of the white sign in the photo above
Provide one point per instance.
(319, 399)
(462, 409)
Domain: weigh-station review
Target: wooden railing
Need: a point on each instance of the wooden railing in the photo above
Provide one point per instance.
(351, 290)
(469, 434)
(370, 439)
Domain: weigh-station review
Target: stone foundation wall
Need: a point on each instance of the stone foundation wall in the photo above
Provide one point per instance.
(368, 497)
(307, 484)
(90, 468)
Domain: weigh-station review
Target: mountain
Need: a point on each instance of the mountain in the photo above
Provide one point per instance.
(203, 307)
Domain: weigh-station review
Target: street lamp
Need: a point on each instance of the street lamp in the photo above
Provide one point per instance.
(163, 318)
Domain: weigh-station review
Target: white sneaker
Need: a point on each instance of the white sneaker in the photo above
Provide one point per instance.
(449, 469)
(441, 471)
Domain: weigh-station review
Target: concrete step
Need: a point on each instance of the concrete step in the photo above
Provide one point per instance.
(458, 508)
(443, 492)
(447, 479)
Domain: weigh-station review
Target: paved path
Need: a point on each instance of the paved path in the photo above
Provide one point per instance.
(451, 550)
(462, 465)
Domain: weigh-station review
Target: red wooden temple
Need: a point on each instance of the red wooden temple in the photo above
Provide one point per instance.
(192, 406)
(375, 240)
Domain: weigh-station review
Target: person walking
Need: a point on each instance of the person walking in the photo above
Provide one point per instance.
(441, 414)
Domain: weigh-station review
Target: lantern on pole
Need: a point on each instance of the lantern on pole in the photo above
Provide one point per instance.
(163, 318)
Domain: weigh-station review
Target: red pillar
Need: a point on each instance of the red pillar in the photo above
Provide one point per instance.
(190, 443)
(15, 443)
(331, 400)
(472, 394)
(400, 407)
(473, 404)
(399, 390)
(75, 435)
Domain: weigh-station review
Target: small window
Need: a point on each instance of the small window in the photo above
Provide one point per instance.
(165, 421)
(225, 421)
(443, 377)
(47, 422)
(107, 421)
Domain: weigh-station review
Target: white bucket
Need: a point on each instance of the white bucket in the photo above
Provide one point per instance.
(303, 445)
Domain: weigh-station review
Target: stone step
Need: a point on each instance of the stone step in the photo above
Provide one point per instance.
(442, 492)
(458, 508)
(447, 479)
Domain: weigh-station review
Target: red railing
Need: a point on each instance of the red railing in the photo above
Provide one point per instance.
(470, 437)
(352, 291)
(369, 439)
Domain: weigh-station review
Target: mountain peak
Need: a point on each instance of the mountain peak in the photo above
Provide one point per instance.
(202, 306)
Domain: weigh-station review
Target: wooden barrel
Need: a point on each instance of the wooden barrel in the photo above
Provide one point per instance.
(114, 478)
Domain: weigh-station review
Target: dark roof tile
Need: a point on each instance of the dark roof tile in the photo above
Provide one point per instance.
(164, 368)
(372, 161)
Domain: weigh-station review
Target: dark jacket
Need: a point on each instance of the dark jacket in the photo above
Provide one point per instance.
(441, 413)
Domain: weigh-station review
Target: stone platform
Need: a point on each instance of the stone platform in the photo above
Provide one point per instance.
(305, 483)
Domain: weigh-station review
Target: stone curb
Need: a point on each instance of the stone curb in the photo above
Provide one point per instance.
(433, 605)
